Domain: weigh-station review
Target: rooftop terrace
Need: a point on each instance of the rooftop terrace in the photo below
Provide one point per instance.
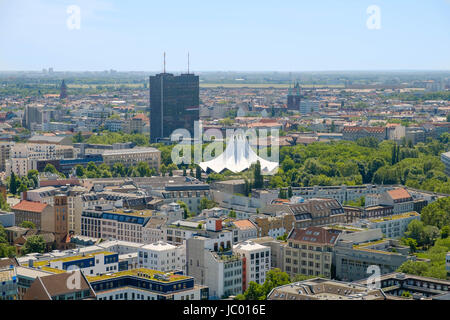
(141, 273)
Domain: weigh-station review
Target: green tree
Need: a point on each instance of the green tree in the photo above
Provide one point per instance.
(4, 204)
(413, 267)
(185, 208)
(412, 243)
(50, 168)
(445, 232)
(257, 176)
(254, 292)
(28, 224)
(205, 203)
(274, 278)
(13, 183)
(34, 244)
(437, 213)
(79, 170)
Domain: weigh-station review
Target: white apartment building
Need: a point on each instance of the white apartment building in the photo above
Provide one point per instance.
(394, 226)
(256, 261)
(162, 256)
(339, 193)
(93, 264)
(399, 198)
(24, 156)
(131, 157)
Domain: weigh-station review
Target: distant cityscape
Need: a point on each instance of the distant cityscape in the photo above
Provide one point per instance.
(357, 208)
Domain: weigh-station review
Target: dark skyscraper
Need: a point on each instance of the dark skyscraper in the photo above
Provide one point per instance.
(63, 91)
(293, 102)
(174, 104)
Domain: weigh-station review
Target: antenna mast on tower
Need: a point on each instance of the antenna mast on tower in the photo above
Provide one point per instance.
(164, 70)
(188, 62)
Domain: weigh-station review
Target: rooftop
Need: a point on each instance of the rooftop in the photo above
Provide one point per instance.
(30, 206)
(141, 273)
(324, 289)
(45, 263)
(396, 217)
(399, 193)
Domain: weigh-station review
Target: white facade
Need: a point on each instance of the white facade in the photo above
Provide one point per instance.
(223, 275)
(394, 226)
(130, 293)
(99, 265)
(162, 256)
(257, 261)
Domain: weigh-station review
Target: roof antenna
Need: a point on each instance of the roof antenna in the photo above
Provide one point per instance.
(188, 62)
(164, 62)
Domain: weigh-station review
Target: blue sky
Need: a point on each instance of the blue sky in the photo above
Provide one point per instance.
(245, 35)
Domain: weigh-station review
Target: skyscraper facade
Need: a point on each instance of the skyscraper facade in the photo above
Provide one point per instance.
(293, 99)
(174, 104)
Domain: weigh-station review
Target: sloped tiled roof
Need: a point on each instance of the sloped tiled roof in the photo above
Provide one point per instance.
(399, 193)
(30, 206)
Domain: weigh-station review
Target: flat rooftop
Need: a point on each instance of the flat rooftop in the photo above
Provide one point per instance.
(141, 273)
(396, 217)
(325, 289)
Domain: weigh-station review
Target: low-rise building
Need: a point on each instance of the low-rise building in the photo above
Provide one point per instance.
(393, 226)
(146, 284)
(395, 284)
(55, 287)
(353, 259)
(131, 157)
(399, 198)
(246, 230)
(324, 289)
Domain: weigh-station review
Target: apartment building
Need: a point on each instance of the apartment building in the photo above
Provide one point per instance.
(353, 214)
(246, 230)
(95, 263)
(354, 133)
(256, 261)
(339, 193)
(310, 251)
(146, 284)
(221, 271)
(273, 226)
(400, 199)
(179, 231)
(5, 154)
(24, 156)
(277, 250)
(312, 212)
(106, 222)
(40, 214)
(153, 230)
(131, 157)
(191, 194)
(162, 256)
(392, 226)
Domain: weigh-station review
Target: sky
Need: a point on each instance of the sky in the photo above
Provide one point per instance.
(225, 35)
